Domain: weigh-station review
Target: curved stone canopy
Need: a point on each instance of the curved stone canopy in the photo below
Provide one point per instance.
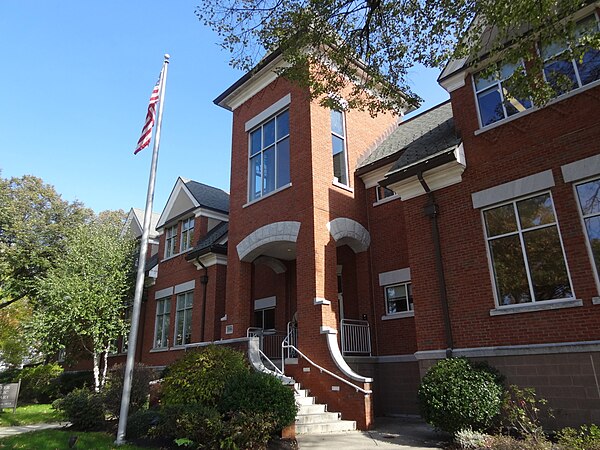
(351, 233)
(275, 264)
(276, 239)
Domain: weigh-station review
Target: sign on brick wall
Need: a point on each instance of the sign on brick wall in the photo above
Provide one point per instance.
(9, 393)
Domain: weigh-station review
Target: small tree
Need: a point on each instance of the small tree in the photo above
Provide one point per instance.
(84, 295)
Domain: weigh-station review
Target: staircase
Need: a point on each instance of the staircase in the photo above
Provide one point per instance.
(313, 418)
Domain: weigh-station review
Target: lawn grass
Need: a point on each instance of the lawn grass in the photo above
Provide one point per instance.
(29, 414)
(59, 440)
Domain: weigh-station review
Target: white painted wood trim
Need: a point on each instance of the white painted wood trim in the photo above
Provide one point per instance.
(166, 292)
(184, 287)
(267, 113)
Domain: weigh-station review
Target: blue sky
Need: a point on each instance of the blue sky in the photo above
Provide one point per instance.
(76, 78)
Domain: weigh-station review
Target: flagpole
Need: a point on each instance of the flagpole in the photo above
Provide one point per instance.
(139, 284)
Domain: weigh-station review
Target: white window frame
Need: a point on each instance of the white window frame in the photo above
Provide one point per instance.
(275, 144)
(582, 216)
(166, 313)
(345, 148)
(181, 308)
(380, 193)
(533, 304)
(572, 60)
(409, 311)
(496, 85)
(187, 234)
(170, 241)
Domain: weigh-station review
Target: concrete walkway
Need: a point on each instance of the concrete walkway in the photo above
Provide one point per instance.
(400, 434)
(11, 431)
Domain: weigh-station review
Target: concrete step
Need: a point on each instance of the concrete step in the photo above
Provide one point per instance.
(322, 417)
(311, 409)
(301, 392)
(338, 426)
(305, 400)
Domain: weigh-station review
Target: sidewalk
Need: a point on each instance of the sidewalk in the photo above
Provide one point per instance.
(11, 431)
(400, 434)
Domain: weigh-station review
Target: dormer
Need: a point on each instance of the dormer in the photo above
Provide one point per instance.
(192, 210)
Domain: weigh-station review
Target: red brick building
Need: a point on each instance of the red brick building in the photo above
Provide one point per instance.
(377, 246)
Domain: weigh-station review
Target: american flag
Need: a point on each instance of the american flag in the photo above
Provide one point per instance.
(144, 140)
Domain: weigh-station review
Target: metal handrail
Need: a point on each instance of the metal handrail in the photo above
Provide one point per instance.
(285, 344)
(266, 358)
(355, 336)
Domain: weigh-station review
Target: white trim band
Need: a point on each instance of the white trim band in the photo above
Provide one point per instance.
(513, 189)
(184, 287)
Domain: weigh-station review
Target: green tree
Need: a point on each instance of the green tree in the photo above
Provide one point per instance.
(388, 37)
(83, 297)
(13, 348)
(34, 223)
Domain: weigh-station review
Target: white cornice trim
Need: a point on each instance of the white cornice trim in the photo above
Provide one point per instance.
(436, 178)
(210, 259)
(179, 186)
(223, 217)
(372, 179)
(254, 85)
(454, 82)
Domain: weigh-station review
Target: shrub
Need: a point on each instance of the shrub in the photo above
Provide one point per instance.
(202, 425)
(257, 392)
(83, 408)
(454, 395)
(201, 375)
(141, 423)
(10, 376)
(247, 430)
(502, 442)
(140, 388)
(470, 440)
(521, 411)
(37, 385)
(69, 381)
(584, 438)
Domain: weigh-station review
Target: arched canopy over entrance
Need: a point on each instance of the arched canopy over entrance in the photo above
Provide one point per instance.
(351, 233)
(277, 240)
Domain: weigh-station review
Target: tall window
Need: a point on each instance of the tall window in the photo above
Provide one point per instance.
(270, 156)
(170, 237)
(494, 99)
(183, 318)
(526, 251)
(565, 73)
(161, 327)
(338, 145)
(187, 233)
(589, 200)
(398, 298)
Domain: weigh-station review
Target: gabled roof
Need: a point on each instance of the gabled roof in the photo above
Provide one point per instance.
(211, 242)
(418, 136)
(135, 222)
(151, 262)
(188, 195)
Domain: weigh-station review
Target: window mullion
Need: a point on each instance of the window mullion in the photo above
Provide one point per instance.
(523, 250)
(502, 99)
(576, 72)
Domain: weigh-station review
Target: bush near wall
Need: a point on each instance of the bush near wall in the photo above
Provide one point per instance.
(455, 395)
(201, 375)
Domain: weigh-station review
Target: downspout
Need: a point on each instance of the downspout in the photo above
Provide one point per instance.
(204, 281)
(432, 211)
(372, 284)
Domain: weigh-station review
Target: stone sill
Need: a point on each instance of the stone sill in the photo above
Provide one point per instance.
(536, 306)
(400, 315)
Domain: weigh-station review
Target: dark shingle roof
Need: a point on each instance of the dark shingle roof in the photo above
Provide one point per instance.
(441, 138)
(209, 241)
(151, 262)
(208, 196)
(422, 135)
